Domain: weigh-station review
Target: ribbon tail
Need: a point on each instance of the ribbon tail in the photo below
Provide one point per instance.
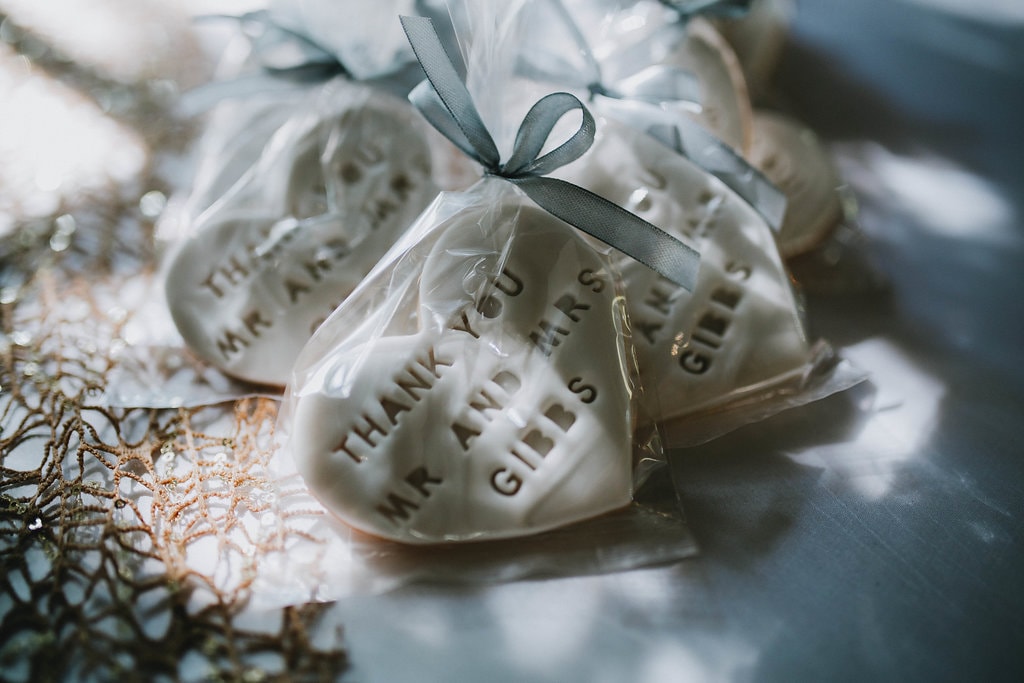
(616, 227)
(439, 13)
(429, 104)
(660, 83)
(451, 90)
(721, 161)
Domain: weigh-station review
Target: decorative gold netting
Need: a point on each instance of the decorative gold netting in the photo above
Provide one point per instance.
(109, 517)
(118, 526)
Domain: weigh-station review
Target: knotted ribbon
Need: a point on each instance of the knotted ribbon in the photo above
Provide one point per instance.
(284, 52)
(445, 102)
(288, 57)
(641, 100)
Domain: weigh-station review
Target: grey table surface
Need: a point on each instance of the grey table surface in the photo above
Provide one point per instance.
(836, 544)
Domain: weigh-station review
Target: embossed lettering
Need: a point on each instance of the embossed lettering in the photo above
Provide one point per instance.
(560, 416)
(397, 508)
(505, 482)
(568, 304)
(464, 326)
(433, 361)
(484, 403)
(729, 298)
(317, 268)
(595, 281)
(366, 431)
(660, 300)
(419, 478)
(713, 323)
(342, 447)
(209, 284)
(523, 459)
(694, 363)
(233, 273)
(507, 381)
(464, 434)
(254, 320)
(548, 338)
(295, 288)
(490, 307)
(393, 408)
(736, 268)
(586, 392)
(508, 283)
(231, 343)
(411, 386)
(541, 444)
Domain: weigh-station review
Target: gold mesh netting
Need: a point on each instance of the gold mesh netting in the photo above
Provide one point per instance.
(119, 527)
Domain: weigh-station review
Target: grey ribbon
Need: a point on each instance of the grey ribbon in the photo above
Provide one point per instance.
(653, 83)
(726, 9)
(446, 103)
(281, 51)
(694, 142)
(658, 85)
(287, 59)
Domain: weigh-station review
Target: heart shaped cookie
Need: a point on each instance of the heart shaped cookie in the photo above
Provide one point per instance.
(486, 399)
(271, 260)
(740, 330)
(793, 158)
(725, 103)
(630, 38)
(758, 39)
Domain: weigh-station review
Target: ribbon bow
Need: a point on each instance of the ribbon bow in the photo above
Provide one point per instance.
(727, 9)
(446, 103)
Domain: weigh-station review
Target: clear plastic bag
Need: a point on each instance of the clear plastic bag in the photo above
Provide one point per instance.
(737, 345)
(269, 260)
(300, 188)
(758, 39)
(736, 349)
(479, 385)
(628, 37)
(476, 386)
(675, 81)
(820, 240)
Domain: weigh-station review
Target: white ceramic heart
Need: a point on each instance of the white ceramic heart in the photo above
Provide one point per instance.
(758, 39)
(487, 399)
(791, 156)
(725, 102)
(740, 330)
(271, 260)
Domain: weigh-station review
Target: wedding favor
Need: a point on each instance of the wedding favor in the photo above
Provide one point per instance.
(790, 154)
(479, 384)
(485, 397)
(315, 163)
(757, 37)
(272, 258)
(740, 331)
(633, 78)
(632, 39)
(724, 102)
